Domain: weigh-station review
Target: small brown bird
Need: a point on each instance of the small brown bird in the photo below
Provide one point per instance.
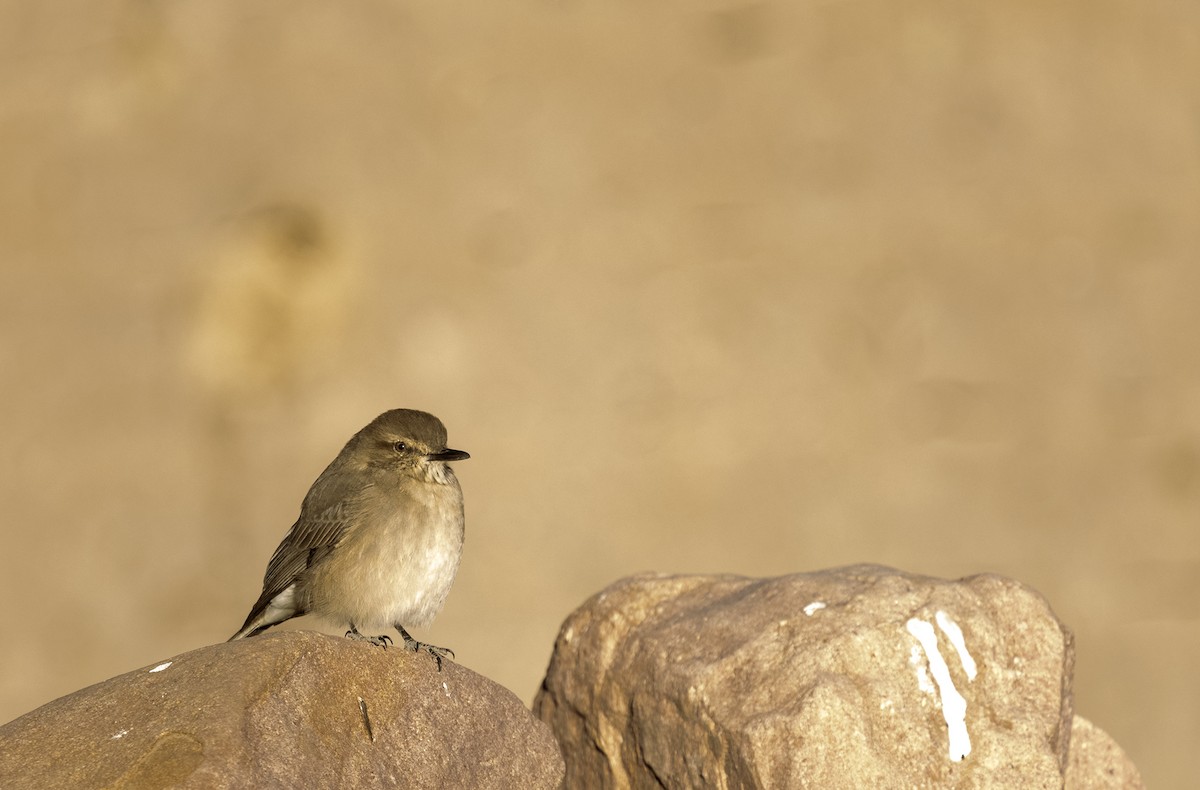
(378, 539)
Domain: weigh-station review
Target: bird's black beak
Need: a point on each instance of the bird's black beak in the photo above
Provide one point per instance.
(449, 455)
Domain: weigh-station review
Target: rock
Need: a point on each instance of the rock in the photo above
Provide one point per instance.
(847, 678)
(1097, 762)
(283, 711)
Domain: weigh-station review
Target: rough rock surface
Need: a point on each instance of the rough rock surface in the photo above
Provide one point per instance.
(1097, 762)
(847, 678)
(283, 711)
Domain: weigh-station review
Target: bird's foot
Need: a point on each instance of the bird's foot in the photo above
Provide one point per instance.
(383, 640)
(438, 653)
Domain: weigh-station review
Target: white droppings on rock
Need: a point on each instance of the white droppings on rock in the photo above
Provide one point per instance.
(954, 705)
(813, 607)
(955, 635)
(161, 666)
(916, 659)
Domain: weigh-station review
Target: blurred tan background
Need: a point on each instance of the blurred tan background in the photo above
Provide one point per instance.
(755, 288)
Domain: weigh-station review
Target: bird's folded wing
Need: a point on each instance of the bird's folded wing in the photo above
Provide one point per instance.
(309, 539)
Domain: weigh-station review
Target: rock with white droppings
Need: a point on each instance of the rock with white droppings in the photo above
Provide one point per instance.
(902, 681)
(288, 709)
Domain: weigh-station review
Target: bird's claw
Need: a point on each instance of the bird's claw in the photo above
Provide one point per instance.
(383, 640)
(438, 653)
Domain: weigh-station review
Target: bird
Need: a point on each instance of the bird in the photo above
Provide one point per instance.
(379, 536)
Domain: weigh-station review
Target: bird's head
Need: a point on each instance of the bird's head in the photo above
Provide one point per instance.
(407, 442)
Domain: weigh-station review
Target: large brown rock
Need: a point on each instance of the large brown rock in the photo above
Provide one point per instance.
(857, 677)
(283, 711)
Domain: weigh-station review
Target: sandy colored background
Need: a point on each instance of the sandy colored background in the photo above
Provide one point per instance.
(756, 288)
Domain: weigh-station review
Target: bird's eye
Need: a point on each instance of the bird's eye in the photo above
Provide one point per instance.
(399, 447)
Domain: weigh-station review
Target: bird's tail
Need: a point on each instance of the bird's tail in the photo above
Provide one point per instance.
(269, 611)
(242, 634)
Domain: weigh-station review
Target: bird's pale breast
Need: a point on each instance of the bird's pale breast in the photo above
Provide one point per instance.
(399, 568)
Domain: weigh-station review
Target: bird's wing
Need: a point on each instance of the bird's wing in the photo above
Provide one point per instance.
(318, 530)
(310, 538)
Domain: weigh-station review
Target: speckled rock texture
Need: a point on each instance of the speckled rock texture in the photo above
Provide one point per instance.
(856, 677)
(1096, 761)
(284, 710)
